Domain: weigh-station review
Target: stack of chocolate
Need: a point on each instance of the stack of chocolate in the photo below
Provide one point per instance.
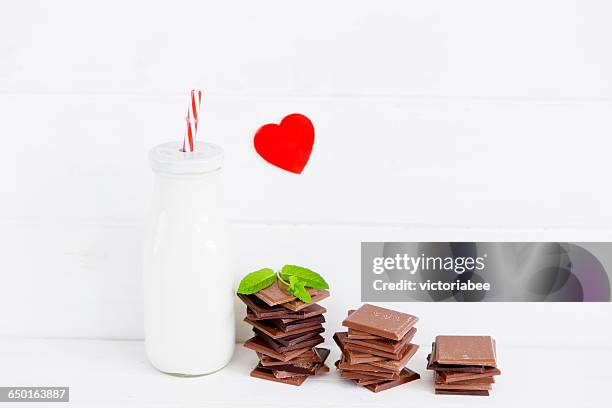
(286, 333)
(376, 348)
(463, 365)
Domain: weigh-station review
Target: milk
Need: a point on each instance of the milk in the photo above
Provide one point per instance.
(188, 286)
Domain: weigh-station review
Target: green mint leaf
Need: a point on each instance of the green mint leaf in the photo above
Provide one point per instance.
(256, 281)
(292, 281)
(309, 278)
(299, 291)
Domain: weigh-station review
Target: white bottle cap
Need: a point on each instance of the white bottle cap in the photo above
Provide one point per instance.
(168, 158)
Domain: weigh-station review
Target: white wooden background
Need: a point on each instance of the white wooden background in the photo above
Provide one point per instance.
(435, 120)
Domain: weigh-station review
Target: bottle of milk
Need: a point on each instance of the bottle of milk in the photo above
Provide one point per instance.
(188, 286)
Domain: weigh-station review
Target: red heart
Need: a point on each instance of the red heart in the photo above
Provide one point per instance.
(287, 145)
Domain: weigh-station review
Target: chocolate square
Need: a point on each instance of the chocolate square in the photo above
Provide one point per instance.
(257, 344)
(405, 376)
(465, 350)
(353, 357)
(277, 333)
(387, 345)
(380, 322)
(311, 342)
(314, 355)
(267, 374)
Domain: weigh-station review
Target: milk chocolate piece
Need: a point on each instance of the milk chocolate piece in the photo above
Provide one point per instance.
(397, 365)
(405, 376)
(368, 367)
(352, 356)
(365, 382)
(399, 355)
(359, 358)
(462, 392)
(356, 375)
(286, 374)
(317, 369)
(374, 352)
(322, 369)
(380, 322)
(274, 295)
(299, 369)
(465, 350)
(431, 365)
(311, 342)
(359, 335)
(372, 374)
(481, 380)
(457, 376)
(310, 356)
(266, 374)
(316, 295)
(352, 375)
(257, 344)
(308, 368)
(390, 346)
(277, 333)
(471, 387)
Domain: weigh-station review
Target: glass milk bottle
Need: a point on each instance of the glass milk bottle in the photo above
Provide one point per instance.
(188, 286)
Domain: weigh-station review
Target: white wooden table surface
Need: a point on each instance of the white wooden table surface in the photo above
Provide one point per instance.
(117, 374)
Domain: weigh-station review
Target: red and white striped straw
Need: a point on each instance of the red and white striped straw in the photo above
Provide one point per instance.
(192, 120)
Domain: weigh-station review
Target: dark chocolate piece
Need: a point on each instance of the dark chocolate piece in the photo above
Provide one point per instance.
(462, 392)
(261, 309)
(277, 333)
(293, 339)
(279, 312)
(465, 350)
(257, 344)
(283, 349)
(380, 322)
(296, 324)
